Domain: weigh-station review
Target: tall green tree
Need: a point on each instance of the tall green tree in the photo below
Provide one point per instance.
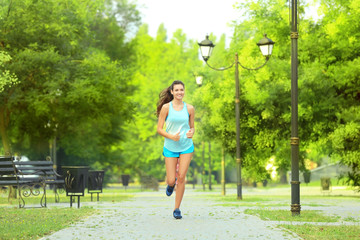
(7, 80)
(340, 26)
(69, 88)
(328, 85)
(159, 63)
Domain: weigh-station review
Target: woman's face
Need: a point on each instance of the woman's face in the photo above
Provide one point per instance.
(178, 91)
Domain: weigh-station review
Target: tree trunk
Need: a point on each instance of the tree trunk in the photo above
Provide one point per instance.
(3, 126)
(4, 121)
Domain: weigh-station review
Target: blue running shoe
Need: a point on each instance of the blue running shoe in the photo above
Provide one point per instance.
(177, 214)
(169, 190)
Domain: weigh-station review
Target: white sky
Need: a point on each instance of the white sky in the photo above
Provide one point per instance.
(195, 17)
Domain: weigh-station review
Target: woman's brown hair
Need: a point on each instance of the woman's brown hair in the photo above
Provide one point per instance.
(165, 96)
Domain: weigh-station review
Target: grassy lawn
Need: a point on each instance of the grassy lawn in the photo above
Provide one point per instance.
(108, 195)
(37, 222)
(285, 215)
(308, 231)
(313, 232)
(33, 223)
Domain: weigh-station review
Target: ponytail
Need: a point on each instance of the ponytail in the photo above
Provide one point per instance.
(165, 96)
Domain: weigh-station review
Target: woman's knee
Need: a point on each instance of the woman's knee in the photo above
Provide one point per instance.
(171, 181)
(181, 178)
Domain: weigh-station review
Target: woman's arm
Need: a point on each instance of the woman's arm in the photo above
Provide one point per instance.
(161, 121)
(191, 111)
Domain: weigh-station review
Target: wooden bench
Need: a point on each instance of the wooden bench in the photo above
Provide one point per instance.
(30, 178)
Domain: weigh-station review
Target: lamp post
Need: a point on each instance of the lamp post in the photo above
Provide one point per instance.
(199, 81)
(206, 48)
(295, 183)
(223, 190)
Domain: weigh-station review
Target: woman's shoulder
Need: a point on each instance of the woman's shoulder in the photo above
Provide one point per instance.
(190, 107)
(166, 106)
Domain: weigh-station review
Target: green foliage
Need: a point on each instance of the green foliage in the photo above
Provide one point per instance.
(70, 70)
(328, 88)
(346, 141)
(73, 77)
(159, 63)
(6, 78)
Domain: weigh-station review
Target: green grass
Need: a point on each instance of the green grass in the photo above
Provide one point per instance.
(266, 210)
(313, 232)
(285, 215)
(37, 222)
(308, 231)
(33, 223)
(351, 219)
(247, 198)
(108, 195)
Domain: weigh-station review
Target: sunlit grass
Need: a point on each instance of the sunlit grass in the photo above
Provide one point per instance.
(32, 223)
(37, 222)
(314, 232)
(285, 215)
(108, 195)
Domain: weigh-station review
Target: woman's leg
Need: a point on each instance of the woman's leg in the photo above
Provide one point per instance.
(170, 170)
(184, 163)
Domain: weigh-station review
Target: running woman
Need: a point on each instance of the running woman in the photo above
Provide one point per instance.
(178, 117)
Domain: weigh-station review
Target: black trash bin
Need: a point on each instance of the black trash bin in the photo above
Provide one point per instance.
(125, 180)
(95, 182)
(325, 184)
(307, 177)
(75, 181)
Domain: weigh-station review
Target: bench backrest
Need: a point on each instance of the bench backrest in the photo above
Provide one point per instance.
(7, 170)
(35, 170)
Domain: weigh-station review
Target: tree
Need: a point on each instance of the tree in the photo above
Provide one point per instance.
(7, 80)
(158, 64)
(341, 58)
(328, 85)
(68, 87)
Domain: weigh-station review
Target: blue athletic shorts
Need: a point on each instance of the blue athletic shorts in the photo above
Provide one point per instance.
(168, 153)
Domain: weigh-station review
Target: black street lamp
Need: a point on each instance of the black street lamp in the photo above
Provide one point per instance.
(295, 183)
(266, 46)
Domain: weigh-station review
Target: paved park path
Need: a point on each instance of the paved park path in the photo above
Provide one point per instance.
(149, 216)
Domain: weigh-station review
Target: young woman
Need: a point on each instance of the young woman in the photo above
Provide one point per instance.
(179, 120)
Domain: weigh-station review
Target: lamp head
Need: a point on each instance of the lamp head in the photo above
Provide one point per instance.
(199, 80)
(266, 46)
(206, 47)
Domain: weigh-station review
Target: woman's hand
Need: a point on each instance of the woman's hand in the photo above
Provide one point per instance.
(190, 133)
(176, 137)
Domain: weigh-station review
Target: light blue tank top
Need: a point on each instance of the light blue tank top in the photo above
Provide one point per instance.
(178, 121)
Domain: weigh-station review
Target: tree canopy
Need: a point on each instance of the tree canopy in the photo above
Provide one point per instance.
(68, 85)
(88, 74)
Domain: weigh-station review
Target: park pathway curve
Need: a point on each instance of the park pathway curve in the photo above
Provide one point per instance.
(149, 216)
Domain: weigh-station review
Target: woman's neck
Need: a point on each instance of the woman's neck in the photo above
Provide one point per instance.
(177, 102)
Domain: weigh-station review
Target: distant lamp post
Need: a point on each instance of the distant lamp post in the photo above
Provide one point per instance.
(266, 47)
(199, 80)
